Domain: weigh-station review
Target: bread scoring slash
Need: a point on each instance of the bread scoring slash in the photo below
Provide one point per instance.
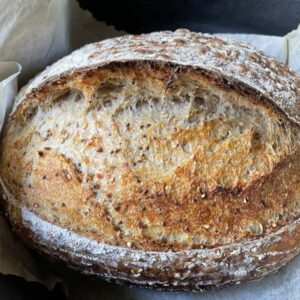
(168, 160)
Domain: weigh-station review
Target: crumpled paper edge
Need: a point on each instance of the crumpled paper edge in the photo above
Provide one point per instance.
(9, 71)
(20, 261)
(293, 49)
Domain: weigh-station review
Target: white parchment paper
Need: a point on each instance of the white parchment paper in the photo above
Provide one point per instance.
(33, 32)
(9, 72)
(37, 32)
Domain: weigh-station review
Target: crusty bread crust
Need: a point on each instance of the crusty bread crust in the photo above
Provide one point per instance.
(196, 270)
(168, 160)
(231, 63)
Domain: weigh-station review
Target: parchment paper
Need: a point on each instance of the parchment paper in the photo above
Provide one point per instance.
(38, 32)
(33, 32)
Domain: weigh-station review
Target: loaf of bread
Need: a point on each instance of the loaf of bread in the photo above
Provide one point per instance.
(168, 160)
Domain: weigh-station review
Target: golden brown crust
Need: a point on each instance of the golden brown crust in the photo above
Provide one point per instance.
(231, 64)
(218, 193)
(196, 270)
(150, 156)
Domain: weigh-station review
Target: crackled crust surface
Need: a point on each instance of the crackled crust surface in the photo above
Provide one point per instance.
(154, 164)
(172, 142)
(234, 62)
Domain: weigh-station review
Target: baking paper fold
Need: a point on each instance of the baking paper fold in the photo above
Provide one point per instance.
(15, 258)
(37, 32)
(9, 72)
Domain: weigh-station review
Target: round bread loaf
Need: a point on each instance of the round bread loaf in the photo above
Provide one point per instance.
(168, 160)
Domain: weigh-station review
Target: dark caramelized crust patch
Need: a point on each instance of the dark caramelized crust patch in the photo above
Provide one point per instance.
(130, 158)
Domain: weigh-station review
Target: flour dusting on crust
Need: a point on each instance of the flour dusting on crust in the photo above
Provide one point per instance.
(201, 267)
(236, 61)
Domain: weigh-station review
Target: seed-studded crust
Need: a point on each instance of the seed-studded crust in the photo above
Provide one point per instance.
(249, 228)
(236, 63)
(196, 270)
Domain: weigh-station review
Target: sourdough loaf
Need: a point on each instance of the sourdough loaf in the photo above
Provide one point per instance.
(167, 160)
